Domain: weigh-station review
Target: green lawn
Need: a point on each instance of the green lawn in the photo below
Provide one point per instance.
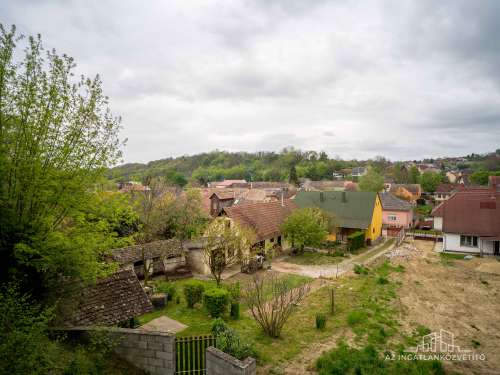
(371, 296)
(314, 258)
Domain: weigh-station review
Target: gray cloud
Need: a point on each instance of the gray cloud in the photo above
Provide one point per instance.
(404, 79)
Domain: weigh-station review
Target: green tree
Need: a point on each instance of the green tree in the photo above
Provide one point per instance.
(307, 227)
(293, 179)
(413, 175)
(371, 181)
(430, 181)
(482, 177)
(58, 136)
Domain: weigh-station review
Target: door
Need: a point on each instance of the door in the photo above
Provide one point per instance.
(497, 248)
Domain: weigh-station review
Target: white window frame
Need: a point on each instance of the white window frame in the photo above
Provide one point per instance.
(392, 217)
(469, 241)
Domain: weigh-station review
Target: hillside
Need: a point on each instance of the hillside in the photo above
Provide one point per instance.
(275, 166)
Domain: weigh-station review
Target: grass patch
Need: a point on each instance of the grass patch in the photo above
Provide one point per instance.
(314, 258)
(375, 251)
(447, 259)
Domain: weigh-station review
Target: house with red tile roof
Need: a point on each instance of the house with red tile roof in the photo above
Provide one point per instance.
(470, 221)
(264, 219)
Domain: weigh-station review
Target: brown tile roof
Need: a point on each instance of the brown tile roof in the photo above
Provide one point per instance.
(473, 212)
(264, 218)
(415, 189)
(131, 254)
(109, 301)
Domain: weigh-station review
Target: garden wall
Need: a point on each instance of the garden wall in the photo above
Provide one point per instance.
(153, 352)
(220, 363)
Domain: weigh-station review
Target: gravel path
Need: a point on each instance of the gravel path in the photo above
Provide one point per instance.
(331, 270)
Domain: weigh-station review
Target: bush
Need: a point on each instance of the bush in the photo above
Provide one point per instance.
(168, 288)
(320, 321)
(360, 269)
(356, 241)
(382, 280)
(234, 291)
(215, 301)
(235, 310)
(193, 291)
(346, 360)
(355, 317)
(229, 342)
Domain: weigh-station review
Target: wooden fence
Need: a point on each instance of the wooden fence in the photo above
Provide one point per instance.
(190, 354)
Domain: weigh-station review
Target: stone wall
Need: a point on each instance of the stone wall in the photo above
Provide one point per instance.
(153, 352)
(220, 363)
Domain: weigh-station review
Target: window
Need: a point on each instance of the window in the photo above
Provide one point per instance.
(392, 217)
(468, 241)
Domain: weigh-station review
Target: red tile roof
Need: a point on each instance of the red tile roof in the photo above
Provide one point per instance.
(264, 218)
(473, 212)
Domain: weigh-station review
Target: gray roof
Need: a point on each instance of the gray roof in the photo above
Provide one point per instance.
(392, 203)
(162, 248)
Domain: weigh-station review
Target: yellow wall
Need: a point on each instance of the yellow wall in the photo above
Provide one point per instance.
(374, 231)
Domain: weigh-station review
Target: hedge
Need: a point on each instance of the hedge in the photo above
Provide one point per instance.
(215, 301)
(193, 291)
(356, 240)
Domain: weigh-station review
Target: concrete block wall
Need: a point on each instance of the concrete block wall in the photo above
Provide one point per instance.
(220, 363)
(153, 352)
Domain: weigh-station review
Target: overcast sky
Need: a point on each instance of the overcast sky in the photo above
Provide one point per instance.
(403, 79)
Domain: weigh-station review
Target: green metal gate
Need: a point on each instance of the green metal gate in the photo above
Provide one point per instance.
(190, 354)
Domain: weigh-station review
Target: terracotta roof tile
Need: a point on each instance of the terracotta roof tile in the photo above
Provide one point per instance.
(264, 218)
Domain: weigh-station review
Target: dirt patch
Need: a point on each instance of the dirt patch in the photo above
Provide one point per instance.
(164, 324)
(461, 297)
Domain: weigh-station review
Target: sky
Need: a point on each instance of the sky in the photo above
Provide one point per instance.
(357, 79)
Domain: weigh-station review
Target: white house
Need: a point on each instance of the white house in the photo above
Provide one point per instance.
(470, 221)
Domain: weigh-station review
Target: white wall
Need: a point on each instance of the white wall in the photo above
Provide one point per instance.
(451, 242)
(438, 223)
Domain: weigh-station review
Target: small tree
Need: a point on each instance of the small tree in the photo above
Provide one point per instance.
(225, 245)
(307, 227)
(430, 181)
(272, 314)
(371, 181)
(293, 179)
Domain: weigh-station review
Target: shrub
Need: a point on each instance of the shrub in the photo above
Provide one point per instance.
(229, 342)
(382, 280)
(346, 360)
(168, 288)
(215, 301)
(320, 321)
(355, 317)
(356, 241)
(234, 291)
(360, 269)
(193, 291)
(235, 310)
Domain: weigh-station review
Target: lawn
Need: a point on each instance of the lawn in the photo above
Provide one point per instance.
(314, 258)
(364, 308)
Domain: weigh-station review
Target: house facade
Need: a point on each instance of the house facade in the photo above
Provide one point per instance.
(470, 221)
(352, 210)
(396, 212)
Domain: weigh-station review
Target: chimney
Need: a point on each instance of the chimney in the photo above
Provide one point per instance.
(344, 197)
(321, 196)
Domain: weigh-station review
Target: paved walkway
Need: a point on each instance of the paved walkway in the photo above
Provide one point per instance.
(332, 270)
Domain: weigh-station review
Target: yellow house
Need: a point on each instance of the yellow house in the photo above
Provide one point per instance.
(352, 210)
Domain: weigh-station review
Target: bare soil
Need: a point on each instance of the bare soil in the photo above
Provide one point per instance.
(460, 296)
